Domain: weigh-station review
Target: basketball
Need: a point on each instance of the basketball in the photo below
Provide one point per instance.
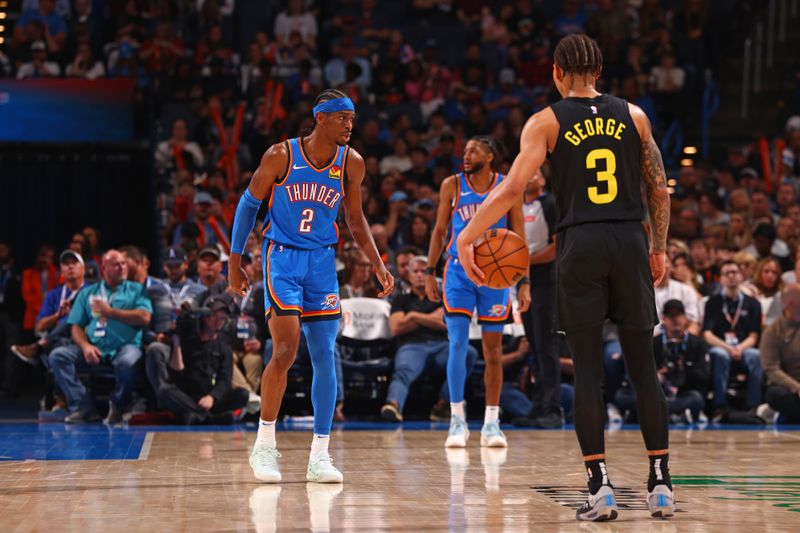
(503, 257)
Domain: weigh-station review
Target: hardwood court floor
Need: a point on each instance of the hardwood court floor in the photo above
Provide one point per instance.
(399, 480)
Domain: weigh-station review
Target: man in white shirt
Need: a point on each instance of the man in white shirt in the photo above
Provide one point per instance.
(669, 289)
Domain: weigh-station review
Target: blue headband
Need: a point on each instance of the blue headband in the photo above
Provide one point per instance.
(332, 106)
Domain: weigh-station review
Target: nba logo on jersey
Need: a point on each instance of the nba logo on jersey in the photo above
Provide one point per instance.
(330, 301)
(335, 172)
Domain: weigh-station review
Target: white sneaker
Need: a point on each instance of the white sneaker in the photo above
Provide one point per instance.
(661, 502)
(321, 469)
(614, 416)
(766, 412)
(458, 434)
(253, 404)
(264, 462)
(492, 437)
(599, 507)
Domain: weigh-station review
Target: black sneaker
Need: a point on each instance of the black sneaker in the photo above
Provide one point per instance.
(391, 412)
(440, 412)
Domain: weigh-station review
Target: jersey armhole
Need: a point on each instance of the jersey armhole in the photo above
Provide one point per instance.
(344, 169)
(280, 180)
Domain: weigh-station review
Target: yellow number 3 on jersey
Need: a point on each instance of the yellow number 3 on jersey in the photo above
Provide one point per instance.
(606, 175)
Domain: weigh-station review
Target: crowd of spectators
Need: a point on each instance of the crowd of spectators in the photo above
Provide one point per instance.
(425, 76)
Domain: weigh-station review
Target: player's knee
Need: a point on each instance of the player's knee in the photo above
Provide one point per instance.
(283, 354)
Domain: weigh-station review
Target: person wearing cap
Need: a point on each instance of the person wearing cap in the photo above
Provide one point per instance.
(52, 318)
(682, 367)
(209, 270)
(38, 66)
(108, 320)
(198, 389)
(671, 289)
(205, 222)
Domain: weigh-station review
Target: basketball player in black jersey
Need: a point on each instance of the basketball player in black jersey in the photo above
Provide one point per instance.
(601, 149)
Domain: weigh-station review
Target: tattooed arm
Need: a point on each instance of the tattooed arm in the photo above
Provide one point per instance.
(655, 180)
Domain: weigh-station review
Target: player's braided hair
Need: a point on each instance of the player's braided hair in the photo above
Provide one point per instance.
(578, 54)
(494, 145)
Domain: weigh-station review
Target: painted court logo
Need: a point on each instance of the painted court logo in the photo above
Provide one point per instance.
(331, 301)
(335, 172)
(498, 310)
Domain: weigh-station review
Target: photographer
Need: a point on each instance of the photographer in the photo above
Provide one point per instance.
(200, 367)
(682, 366)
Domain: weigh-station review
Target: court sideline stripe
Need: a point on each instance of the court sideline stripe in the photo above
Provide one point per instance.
(144, 453)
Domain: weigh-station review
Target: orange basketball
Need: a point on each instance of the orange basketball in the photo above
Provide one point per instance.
(503, 257)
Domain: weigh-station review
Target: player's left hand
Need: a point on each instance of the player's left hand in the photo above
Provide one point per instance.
(658, 266)
(387, 281)
(524, 297)
(466, 256)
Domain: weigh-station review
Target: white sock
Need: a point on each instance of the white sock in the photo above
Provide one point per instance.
(319, 444)
(492, 414)
(266, 433)
(457, 409)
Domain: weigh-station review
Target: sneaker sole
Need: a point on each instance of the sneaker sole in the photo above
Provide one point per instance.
(605, 515)
(662, 513)
(455, 442)
(325, 479)
(390, 416)
(494, 442)
(26, 360)
(268, 478)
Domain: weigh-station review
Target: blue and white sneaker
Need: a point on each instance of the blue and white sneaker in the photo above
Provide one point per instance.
(459, 433)
(599, 507)
(492, 437)
(264, 462)
(661, 502)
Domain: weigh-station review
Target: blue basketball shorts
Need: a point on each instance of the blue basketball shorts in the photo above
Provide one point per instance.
(300, 282)
(462, 297)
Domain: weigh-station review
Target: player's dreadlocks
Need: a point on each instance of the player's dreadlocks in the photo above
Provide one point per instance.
(579, 54)
(495, 146)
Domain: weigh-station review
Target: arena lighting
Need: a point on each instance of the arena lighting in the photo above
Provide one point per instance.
(689, 150)
(672, 182)
(2, 40)
(686, 162)
(2, 15)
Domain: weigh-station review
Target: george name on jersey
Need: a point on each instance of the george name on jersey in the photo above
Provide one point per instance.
(580, 131)
(313, 192)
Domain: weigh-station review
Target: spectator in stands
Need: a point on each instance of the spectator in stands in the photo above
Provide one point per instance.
(667, 81)
(93, 248)
(85, 65)
(209, 271)
(199, 390)
(418, 232)
(731, 327)
(418, 326)
(682, 271)
(793, 276)
(11, 312)
(739, 229)
(55, 28)
(711, 211)
(295, 18)
(785, 198)
(671, 289)
(162, 51)
(403, 259)
(107, 321)
(571, 20)
(766, 287)
(765, 245)
(358, 281)
(787, 234)
(791, 153)
(178, 152)
(39, 66)
(208, 229)
(703, 263)
(780, 358)
(157, 290)
(52, 319)
(36, 282)
(761, 208)
(85, 26)
(682, 366)
(398, 160)
(500, 99)
(241, 334)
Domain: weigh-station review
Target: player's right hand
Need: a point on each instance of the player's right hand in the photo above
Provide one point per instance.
(658, 266)
(432, 288)
(238, 282)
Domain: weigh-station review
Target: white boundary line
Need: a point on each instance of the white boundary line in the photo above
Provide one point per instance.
(144, 453)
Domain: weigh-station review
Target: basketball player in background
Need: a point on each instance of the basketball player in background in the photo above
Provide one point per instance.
(305, 179)
(601, 149)
(459, 198)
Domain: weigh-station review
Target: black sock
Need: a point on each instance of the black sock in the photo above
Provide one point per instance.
(659, 472)
(598, 476)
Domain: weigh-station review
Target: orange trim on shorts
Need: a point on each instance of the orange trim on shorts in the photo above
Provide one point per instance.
(498, 318)
(322, 312)
(280, 304)
(458, 310)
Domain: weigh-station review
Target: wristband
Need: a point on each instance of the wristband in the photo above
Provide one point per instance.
(524, 280)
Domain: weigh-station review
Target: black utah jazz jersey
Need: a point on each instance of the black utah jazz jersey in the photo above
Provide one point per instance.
(595, 163)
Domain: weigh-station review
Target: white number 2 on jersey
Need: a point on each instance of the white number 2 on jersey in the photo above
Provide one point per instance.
(305, 222)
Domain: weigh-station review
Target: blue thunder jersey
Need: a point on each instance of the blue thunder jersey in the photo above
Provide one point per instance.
(465, 205)
(303, 207)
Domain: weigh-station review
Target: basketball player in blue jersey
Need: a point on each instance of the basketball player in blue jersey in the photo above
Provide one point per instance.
(305, 180)
(459, 199)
